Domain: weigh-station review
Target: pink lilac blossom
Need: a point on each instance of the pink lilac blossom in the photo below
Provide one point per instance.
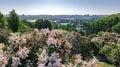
(41, 65)
(1, 47)
(55, 33)
(68, 45)
(92, 63)
(23, 39)
(54, 37)
(3, 61)
(58, 62)
(45, 31)
(78, 59)
(51, 41)
(43, 57)
(3, 58)
(23, 52)
(14, 38)
(70, 65)
(53, 60)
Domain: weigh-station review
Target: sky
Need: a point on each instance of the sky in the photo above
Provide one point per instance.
(60, 7)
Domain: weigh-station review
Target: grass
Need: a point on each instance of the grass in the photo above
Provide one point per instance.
(103, 64)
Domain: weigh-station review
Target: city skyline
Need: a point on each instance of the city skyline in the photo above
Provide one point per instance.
(60, 7)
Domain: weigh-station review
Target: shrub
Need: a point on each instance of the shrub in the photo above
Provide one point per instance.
(33, 49)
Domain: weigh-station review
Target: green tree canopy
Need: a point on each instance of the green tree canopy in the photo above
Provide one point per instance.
(104, 24)
(2, 21)
(116, 28)
(43, 23)
(13, 21)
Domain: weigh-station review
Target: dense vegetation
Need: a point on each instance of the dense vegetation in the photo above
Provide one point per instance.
(43, 23)
(21, 44)
(67, 27)
(2, 20)
(105, 24)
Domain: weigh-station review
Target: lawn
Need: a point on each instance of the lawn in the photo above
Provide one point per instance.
(103, 64)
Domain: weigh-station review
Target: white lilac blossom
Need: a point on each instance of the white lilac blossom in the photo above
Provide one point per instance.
(23, 52)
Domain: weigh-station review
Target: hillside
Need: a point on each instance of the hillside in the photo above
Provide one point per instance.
(104, 24)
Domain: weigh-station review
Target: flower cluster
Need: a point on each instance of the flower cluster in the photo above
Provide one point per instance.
(23, 53)
(15, 61)
(39, 48)
(3, 58)
(55, 61)
(51, 61)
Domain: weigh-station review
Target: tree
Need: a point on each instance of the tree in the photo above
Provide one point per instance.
(13, 21)
(43, 23)
(2, 21)
(116, 28)
(104, 24)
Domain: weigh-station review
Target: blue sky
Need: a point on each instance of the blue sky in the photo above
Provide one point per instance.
(54, 7)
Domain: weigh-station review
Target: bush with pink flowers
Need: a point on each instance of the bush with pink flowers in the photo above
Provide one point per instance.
(40, 48)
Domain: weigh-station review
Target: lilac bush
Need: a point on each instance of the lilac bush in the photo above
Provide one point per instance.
(40, 48)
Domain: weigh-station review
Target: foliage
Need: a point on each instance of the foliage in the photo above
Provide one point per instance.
(67, 27)
(23, 27)
(78, 42)
(112, 53)
(43, 23)
(2, 20)
(29, 24)
(4, 33)
(110, 46)
(104, 24)
(13, 21)
(116, 28)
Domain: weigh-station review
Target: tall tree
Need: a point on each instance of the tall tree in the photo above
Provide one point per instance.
(13, 21)
(2, 21)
